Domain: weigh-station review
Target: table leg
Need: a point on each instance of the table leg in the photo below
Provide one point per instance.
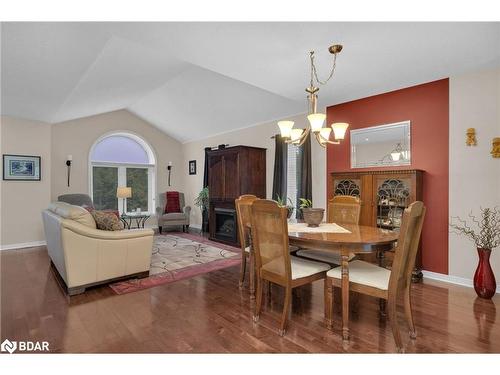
(345, 296)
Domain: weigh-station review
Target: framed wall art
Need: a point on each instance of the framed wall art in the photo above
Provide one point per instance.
(192, 167)
(21, 168)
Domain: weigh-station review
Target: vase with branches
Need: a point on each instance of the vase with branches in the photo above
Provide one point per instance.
(484, 231)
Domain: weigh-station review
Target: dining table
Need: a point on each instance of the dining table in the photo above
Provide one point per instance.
(343, 239)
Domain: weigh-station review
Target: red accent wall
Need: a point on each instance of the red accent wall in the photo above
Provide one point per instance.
(427, 107)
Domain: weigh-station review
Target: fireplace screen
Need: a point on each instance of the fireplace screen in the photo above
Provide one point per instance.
(225, 224)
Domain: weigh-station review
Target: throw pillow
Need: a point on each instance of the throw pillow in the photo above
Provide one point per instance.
(107, 220)
(173, 202)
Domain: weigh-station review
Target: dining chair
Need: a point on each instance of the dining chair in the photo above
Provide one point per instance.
(342, 209)
(367, 278)
(272, 255)
(243, 212)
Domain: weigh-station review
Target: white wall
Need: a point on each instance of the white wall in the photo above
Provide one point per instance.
(258, 136)
(23, 201)
(474, 174)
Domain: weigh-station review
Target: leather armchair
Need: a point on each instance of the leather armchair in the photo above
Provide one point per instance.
(174, 218)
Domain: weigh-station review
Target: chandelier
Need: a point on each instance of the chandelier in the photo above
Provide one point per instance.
(316, 120)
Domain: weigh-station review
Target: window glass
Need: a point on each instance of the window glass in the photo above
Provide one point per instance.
(137, 179)
(105, 182)
(120, 149)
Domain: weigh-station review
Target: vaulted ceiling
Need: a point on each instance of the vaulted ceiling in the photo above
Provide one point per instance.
(193, 80)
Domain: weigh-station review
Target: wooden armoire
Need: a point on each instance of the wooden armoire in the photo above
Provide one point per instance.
(384, 195)
(232, 171)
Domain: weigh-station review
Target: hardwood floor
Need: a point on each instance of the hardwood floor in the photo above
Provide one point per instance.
(209, 314)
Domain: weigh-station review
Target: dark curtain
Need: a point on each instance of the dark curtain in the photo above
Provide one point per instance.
(304, 173)
(204, 216)
(205, 170)
(280, 168)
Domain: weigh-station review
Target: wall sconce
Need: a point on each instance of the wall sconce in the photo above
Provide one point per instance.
(471, 137)
(69, 158)
(169, 168)
(495, 150)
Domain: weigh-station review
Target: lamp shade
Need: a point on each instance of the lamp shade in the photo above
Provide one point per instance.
(316, 120)
(339, 129)
(325, 135)
(395, 156)
(124, 192)
(285, 128)
(296, 134)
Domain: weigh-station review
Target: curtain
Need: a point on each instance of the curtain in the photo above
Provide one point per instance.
(204, 216)
(304, 173)
(205, 170)
(280, 168)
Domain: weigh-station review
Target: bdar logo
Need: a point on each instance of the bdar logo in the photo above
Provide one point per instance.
(8, 346)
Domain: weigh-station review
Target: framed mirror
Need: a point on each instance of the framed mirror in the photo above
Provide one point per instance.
(381, 146)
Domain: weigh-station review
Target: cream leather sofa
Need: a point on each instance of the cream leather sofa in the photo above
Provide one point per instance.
(86, 256)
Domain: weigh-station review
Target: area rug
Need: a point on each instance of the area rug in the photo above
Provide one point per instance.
(181, 256)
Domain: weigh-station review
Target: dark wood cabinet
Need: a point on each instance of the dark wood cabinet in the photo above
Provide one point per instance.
(232, 171)
(384, 195)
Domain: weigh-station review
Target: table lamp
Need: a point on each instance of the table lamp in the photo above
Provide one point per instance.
(124, 193)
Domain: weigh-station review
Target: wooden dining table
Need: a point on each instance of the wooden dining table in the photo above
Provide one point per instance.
(360, 240)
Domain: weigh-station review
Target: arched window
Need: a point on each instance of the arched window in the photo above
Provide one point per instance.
(119, 160)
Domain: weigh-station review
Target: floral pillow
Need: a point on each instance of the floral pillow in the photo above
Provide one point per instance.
(106, 220)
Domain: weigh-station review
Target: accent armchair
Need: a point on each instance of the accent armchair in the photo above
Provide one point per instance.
(173, 218)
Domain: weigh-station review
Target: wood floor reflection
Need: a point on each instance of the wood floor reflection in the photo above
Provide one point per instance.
(209, 314)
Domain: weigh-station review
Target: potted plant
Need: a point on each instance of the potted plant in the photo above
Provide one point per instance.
(312, 216)
(282, 203)
(201, 201)
(485, 232)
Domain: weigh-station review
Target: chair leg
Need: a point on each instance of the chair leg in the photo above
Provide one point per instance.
(242, 269)
(408, 312)
(329, 298)
(187, 228)
(159, 229)
(258, 302)
(286, 309)
(252, 277)
(392, 313)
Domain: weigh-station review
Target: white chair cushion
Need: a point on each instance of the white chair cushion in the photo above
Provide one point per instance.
(300, 267)
(364, 273)
(247, 249)
(323, 256)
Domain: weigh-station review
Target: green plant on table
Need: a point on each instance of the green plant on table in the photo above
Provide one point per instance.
(305, 203)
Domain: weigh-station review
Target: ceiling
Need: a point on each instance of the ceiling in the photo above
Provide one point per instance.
(193, 80)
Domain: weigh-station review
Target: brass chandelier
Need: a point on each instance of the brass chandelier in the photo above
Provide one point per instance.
(316, 120)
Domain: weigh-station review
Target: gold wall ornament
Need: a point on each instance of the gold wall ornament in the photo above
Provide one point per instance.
(471, 137)
(495, 151)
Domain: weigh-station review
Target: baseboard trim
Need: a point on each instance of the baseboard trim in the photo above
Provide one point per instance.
(451, 279)
(23, 245)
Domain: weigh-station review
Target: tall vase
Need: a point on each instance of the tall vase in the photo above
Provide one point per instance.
(484, 279)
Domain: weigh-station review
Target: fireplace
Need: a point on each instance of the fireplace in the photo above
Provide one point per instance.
(225, 224)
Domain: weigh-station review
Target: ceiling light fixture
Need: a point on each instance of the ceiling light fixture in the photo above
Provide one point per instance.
(316, 120)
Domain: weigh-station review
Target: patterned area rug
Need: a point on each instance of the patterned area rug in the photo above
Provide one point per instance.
(180, 256)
